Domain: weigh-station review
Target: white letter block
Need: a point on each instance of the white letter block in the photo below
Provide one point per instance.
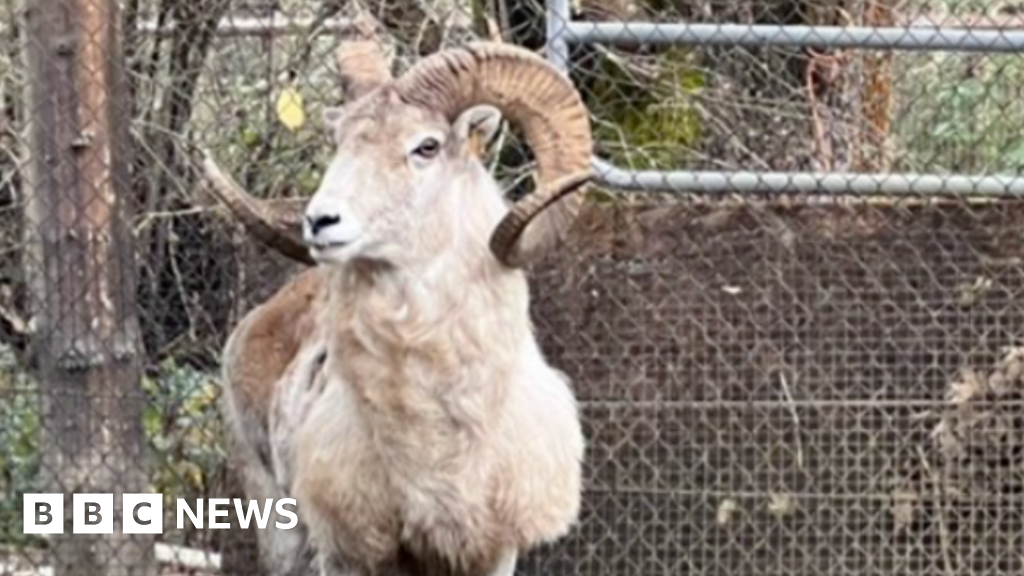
(92, 514)
(44, 513)
(143, 513)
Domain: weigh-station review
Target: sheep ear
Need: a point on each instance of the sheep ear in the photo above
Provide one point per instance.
(477, 127)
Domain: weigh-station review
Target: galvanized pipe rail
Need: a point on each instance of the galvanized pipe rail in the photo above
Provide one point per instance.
(897, 38)
(562, 30)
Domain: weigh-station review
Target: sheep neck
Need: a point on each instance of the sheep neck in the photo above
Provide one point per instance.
(426, 351)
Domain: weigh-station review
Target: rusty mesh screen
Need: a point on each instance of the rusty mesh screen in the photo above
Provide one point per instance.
(794, 390)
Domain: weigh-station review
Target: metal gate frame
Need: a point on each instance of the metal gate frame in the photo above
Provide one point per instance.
(562, 30)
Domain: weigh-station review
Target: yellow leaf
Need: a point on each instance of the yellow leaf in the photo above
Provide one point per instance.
(289, 109)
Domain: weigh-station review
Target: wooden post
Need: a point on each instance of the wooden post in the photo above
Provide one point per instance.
(80, 265)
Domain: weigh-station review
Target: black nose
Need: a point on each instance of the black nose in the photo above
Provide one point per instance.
(319, 222)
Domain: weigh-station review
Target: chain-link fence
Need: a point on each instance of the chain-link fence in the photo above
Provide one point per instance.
(792, 308)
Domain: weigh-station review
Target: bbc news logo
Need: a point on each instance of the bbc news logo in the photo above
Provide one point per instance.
(144, 513)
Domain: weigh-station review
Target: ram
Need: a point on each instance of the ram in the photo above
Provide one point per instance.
(396, 388)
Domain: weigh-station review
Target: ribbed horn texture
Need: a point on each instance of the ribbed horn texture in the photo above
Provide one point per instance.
(276, 224)
(534, 95)
(362, 64)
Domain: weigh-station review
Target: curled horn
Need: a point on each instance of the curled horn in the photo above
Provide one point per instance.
(534, 95)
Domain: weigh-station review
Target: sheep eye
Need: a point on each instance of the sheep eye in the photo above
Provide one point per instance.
(428, 148)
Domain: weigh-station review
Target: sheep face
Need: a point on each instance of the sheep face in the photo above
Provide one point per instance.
(404, 184)
(406, 180)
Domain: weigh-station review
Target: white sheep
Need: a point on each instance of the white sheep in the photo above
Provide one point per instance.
(396, 390)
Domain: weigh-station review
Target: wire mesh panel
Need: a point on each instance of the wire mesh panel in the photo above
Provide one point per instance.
(882, 88)
(771, 381)
(794, 390)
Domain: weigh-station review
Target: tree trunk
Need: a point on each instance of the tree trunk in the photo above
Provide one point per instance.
(80, 266)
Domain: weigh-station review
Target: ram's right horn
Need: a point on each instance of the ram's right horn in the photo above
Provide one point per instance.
(533, 94)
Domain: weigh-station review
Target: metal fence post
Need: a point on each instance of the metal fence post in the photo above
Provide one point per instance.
(557, 26)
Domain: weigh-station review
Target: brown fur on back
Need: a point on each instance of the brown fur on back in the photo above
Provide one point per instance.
(265, 343)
